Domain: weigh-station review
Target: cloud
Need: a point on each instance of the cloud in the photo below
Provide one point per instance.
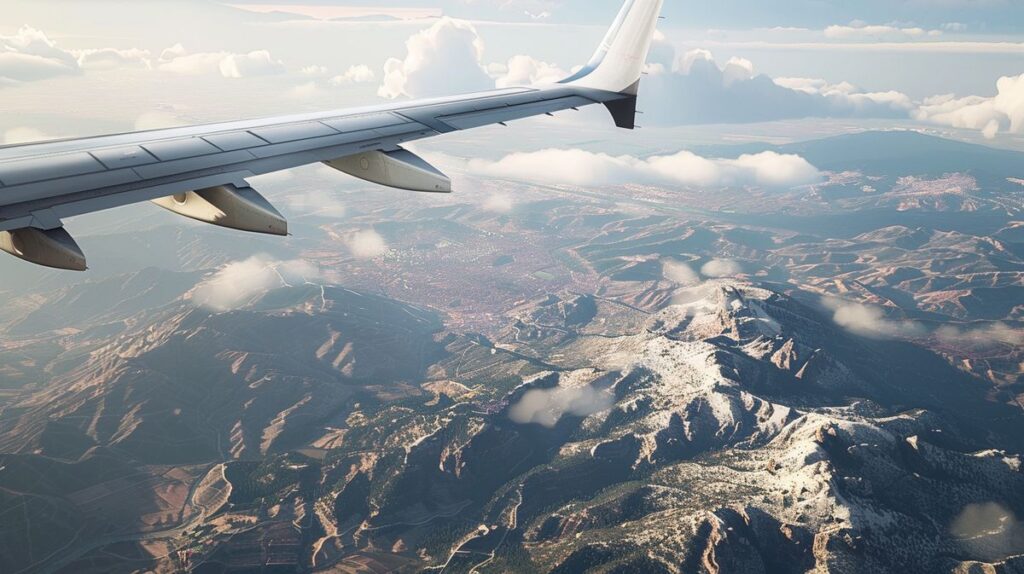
(695, 89)
(441, 60)
(526, 71)
(983, 336)
(360, 74)
(861, 30)
(870, 321)
(846, 96)
(178, 60)
(29, 55)
(365, 244)
(112, 58)
(314, 71)
(257, 63)
(679, 272)
(982, 520)
(694, 291)
(662, 54)
(718, 268)
(318, 87)
(1002, 113)
(236, 284)
(498, 203)
(579, 167)
(547, 406)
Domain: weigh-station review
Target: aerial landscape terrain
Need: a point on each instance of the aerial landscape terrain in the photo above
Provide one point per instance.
(639, 379)
(777, 329)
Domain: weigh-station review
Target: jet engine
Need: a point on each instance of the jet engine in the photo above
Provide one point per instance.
(400, 169)
(47, 247)
(241, 208)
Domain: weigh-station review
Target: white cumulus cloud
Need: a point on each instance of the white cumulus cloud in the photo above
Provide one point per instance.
(360, 74)
(579, 167)
(443, 59)
(696, 89)
(112, 58)
(526, 71)
(365, 244)
(236, 284)
(1003, 112)
(178, 60)
(30, 55)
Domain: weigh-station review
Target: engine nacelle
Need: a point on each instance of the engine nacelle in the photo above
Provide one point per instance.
(47, 247)
(241, 208)
(400, 169)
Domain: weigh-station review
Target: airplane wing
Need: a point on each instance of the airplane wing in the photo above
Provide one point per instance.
(200, 171)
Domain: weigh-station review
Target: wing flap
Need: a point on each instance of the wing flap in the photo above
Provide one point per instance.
(122, 157)
(365, 122)
(294, 132)
(171, 150)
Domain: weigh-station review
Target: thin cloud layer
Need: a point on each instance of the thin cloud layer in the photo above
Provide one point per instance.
(498, 203)
(985, 335)
(547, 406)
(863, 30)
(871, 321)
(315, 201)
(579, 167)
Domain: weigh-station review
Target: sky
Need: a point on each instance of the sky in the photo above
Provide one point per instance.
(735, 68)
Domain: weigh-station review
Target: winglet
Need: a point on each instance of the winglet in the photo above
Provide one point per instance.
(619, 61)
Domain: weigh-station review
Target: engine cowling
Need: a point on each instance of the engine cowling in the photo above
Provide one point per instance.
(47, 247)
(241, 208)
(400, 169)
